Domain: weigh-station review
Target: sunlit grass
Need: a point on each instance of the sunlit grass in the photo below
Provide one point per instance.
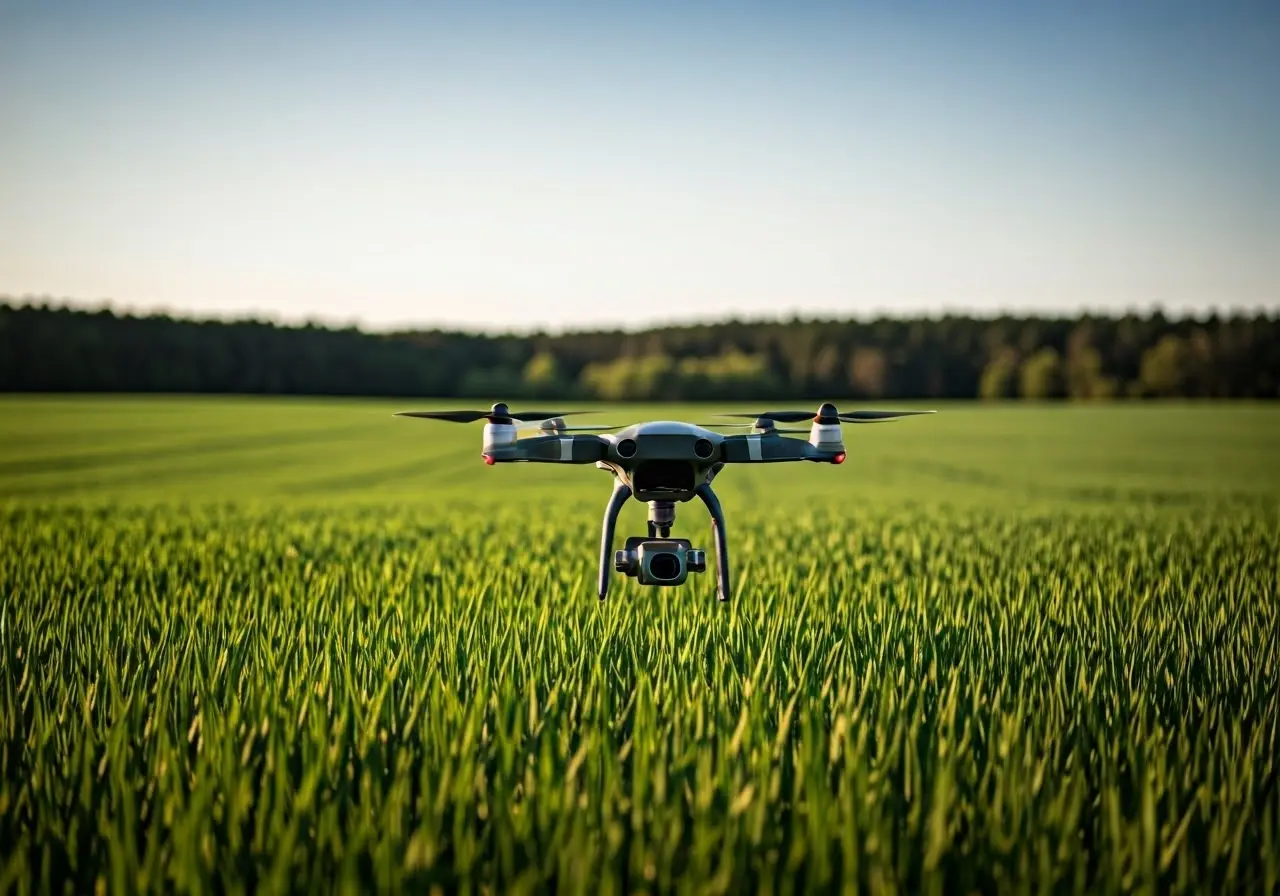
(262, 645)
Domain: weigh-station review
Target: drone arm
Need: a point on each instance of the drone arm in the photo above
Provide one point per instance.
(722, 544)
(563, 449)
(770, 449)
(621, 492)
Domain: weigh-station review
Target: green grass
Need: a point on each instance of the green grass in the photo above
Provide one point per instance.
(272, 645)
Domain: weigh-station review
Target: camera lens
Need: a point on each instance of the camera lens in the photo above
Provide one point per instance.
(664, 566)
(627, 448)
(703, 448)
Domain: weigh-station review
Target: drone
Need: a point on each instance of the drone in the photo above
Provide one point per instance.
(661, 463)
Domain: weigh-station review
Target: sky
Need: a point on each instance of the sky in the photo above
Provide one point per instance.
(516, 166)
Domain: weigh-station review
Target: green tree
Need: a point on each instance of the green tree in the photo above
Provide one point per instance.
(733, 375)
(1086, 376)
(645, 378)
(868, 371)
(1085, 379)
(998, 377)
(542, 377)
(1041, 376)
(826, 368)
(492, 383)
(1166, 368)
(47, 348)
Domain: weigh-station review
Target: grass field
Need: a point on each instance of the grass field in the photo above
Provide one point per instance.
(269, 645)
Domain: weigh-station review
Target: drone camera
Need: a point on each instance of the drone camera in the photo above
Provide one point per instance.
(659, 561)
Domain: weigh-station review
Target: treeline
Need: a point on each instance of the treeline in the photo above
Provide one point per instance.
(50, 348)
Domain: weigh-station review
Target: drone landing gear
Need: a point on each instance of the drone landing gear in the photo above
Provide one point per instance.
(662, 516)
(722, 544)
(621, 492)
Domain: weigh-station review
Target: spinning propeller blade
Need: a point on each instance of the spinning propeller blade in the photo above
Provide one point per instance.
(555, 426)
(499, 413)
(873, 416)
(780, 416)
(828, 414)
(769, 428)
(544, 415)
(451, 416)
(583, 428)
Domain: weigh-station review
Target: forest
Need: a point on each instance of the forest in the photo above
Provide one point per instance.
(51, 347)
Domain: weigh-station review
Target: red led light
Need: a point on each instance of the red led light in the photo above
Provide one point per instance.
(838, 459)
(487, 459)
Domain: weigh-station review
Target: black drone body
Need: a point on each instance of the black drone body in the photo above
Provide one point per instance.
(662, 463)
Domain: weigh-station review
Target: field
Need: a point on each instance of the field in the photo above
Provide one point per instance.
(267, 645)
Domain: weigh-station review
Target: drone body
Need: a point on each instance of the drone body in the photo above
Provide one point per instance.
(662, 463)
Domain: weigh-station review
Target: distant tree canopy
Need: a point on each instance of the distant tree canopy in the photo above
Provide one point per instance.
(49, 348)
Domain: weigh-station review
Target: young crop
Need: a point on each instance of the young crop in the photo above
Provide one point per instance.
(1016, 688)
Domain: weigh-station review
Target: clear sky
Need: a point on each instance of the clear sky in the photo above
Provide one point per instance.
(513, 165)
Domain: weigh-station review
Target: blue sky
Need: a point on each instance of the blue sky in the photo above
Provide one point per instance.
(563, 165)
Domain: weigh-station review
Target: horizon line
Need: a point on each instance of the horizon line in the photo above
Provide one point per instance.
(789, 316)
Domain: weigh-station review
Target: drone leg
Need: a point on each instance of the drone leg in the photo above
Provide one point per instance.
(722, 546)
(621, 492)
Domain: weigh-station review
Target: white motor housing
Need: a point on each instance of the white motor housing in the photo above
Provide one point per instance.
(826, 437)
(498, 435)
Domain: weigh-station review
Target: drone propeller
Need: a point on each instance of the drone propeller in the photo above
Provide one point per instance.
(784, 416)
(499, 413)
(555, 426)
(827, 414)
(763, 423)
(877, 416)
